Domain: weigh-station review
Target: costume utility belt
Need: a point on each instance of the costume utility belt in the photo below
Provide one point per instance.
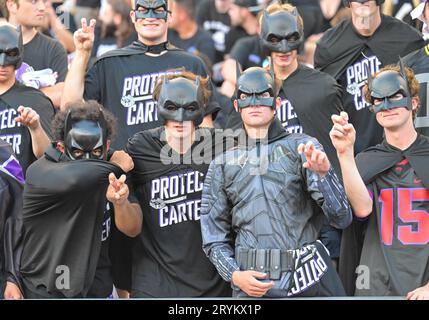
(270, 261)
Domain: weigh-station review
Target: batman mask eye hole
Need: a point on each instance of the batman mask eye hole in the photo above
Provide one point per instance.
(12, 53)
(274, 39)
(265, 94)
(243, 96)
(97, 152)
(142, 10)
(377, 101)
(159, 10)
(171, 107)
(191, 108)
(293, 38)
(77, 153)
(397, 96)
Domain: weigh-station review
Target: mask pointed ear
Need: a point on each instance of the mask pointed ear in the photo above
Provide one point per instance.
(402, 68)
(68, 123)
(273, 77)
(265, 18)
(294, 12)
(199, 90)
(402, 71)
(103, 123)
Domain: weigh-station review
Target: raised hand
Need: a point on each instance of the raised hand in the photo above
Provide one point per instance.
(28, 117)
(316, 160)
(117, 192)
(84, 37)
(343, 134)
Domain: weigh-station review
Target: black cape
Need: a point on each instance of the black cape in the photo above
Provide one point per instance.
(371, 163)
(10, 212)
(63, 213)
(136, 47)
(340, 46)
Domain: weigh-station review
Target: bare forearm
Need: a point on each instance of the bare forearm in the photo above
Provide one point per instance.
(75, 80)
(356, 190)
(39, 141)
(54, 93)
(63, 35)
(128, 218)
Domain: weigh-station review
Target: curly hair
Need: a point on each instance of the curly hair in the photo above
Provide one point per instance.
(413, 84)
(179, 73)
(88, 110)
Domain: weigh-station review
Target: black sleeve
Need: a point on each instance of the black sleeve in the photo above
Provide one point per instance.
(59, 61)
(93, 83)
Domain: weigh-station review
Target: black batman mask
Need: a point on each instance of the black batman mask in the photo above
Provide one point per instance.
(255, 87)
(157, 9)
(386, 85)
(181, 100)
(85, 139)
(281, 32)
(11, 46)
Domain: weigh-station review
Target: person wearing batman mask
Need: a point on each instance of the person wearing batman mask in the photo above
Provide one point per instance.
(171, 162)
(258, 216)
(394, 236)
(25, 113)
(281, 38)
(367, 38)
(372, 39)
(58, 249)
(122, 80)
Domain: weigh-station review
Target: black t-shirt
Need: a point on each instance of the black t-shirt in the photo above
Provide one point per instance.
(248, 52)
(201, 41)
(233, 36)
(16, 134)
(168, 260)
(88, 3)
(102, 285)
(63, 216)
(43, 52)
(124, 85)
(218, 24)
(396, 247)
(368, 131)
(419, 62)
